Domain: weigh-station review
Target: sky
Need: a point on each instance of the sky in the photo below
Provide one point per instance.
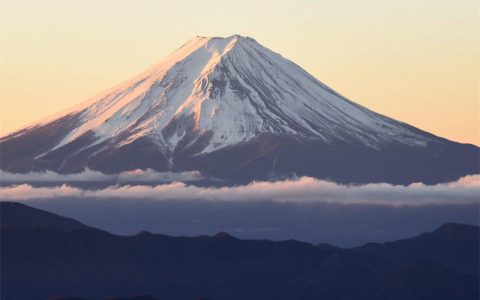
(416, 61)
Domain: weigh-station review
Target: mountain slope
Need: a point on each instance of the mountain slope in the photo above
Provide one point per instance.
(13, 214)
(215, 99)
(449, 245)
(94, 264)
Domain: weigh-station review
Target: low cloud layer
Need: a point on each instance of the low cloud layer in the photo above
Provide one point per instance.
(148, 175)
(304, 190)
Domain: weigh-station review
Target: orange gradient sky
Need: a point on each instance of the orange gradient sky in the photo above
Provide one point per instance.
(416, 61)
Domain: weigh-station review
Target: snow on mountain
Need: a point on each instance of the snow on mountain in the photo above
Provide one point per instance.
(234, 88)
(230, 105)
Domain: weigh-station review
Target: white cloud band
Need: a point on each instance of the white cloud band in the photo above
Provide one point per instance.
(304, 189)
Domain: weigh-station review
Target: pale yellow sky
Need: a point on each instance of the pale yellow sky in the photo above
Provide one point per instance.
(416, 61)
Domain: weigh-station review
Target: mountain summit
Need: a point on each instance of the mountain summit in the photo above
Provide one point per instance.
(234, 109)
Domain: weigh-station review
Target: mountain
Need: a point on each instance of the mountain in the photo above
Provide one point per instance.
(94, 264)
(234, 109)
(122, 298)
(13, 214)
(453, 245)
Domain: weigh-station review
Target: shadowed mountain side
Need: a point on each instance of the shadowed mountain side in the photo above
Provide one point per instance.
(13, 214)
(94, 264)
(455, 246)
(121, 298)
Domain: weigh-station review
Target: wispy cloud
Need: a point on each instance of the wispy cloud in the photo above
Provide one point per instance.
(148, 175)
(304, 189)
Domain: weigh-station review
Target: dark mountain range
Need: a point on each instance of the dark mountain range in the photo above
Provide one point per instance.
(453, 245)
(122, 298)
(13, 214)
(233, 109)
(94, 264)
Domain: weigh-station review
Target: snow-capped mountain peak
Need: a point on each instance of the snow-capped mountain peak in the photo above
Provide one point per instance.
(230, 89)
(233, 109)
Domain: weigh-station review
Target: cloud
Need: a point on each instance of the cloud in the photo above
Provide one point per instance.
(467, 181)
(88, 175)
(304, 190)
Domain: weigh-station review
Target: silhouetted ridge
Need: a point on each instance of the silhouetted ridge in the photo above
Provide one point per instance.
(224, 235)
(454, 228)
(20, 215)
(94, 265)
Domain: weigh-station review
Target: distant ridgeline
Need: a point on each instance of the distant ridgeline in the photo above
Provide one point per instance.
(46, 256)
